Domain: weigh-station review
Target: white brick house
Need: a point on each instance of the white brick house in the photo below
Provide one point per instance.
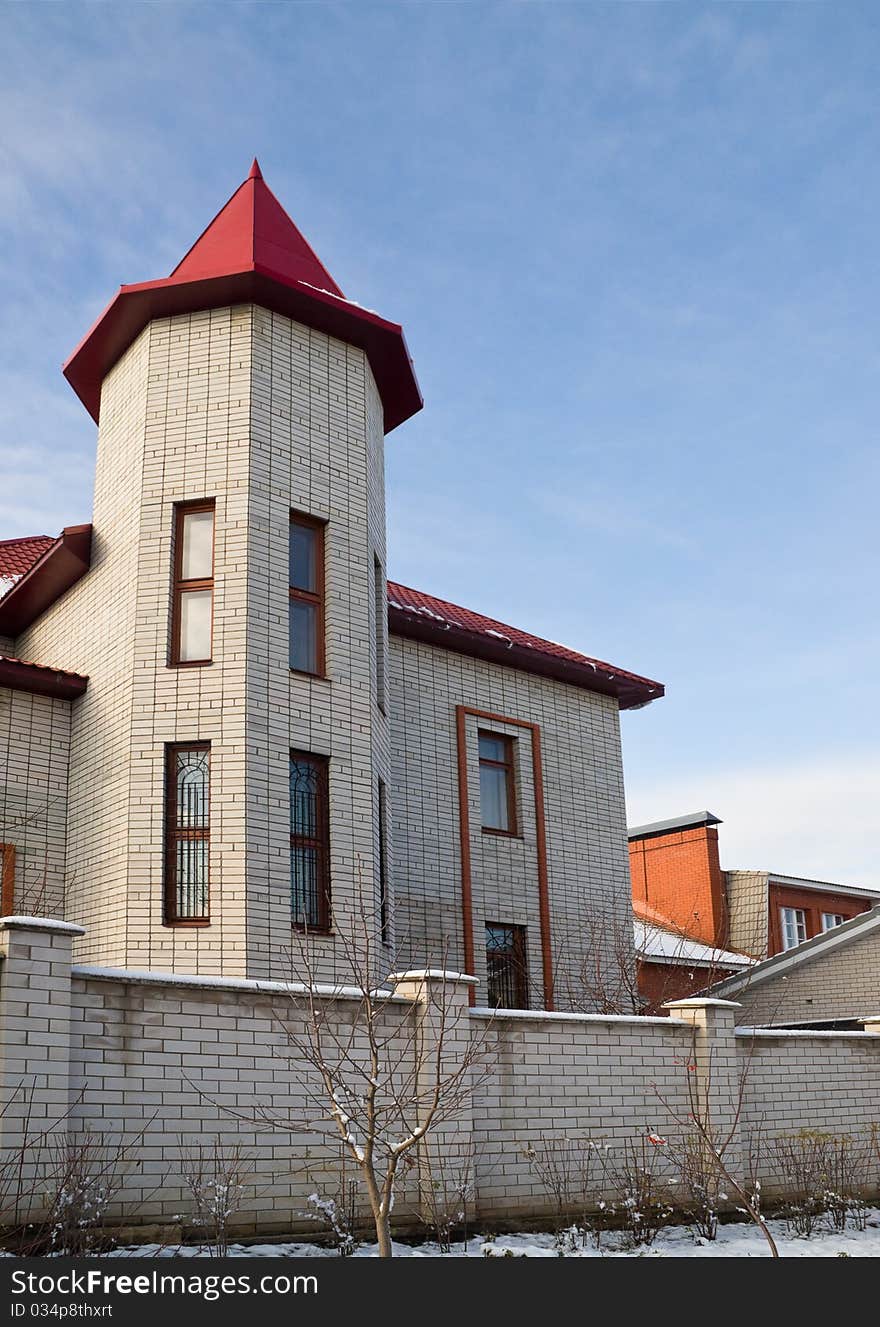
(253, 730)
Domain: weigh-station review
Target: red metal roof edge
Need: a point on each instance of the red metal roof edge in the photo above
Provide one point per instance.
(22, 675)
(630, 690)
(51, 576)
(134, 306)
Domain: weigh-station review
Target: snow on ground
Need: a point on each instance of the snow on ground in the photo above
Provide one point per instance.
(740, 1240)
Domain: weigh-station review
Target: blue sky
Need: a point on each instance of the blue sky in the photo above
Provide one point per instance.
(634, 249)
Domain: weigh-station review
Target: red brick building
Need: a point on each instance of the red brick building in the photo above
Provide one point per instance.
(698, 919)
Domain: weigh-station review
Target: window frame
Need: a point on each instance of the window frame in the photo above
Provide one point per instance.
(7, 879)
(509, 767)
(322, 844)
(380, 607)
(179, 586)
(316, 598)
(838, 920)
(796, 912)
(519, 963)
(384, 901)
(171, 836)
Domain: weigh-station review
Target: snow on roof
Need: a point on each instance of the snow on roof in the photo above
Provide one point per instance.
(658, 945)
(631, 687)
(18, 556)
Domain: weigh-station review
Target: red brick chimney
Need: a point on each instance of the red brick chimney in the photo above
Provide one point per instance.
(675, 868)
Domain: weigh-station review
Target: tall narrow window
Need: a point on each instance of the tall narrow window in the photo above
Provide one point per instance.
(7, 879)
(497, 784)
(384, 907)
(309, 842)
(380, 607)
(794, 926)
(192, 619)
(506, 969)
(306, 595)
(187, 833)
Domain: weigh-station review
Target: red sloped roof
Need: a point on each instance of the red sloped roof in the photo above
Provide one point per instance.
(422, 616)
(25, 675)
(18, 555)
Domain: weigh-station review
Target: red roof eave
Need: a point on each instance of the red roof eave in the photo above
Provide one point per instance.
(134, 306)
(65, 561)
(629, 689)
(22, 675)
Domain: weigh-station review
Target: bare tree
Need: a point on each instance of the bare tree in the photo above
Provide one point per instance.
(381, 1072)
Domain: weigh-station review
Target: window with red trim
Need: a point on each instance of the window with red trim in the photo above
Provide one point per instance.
(192, 615)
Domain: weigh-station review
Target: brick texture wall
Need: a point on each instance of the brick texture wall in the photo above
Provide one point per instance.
(839, 984)
(262, 415)
(589, 896)
(34, 754)
(679, 875)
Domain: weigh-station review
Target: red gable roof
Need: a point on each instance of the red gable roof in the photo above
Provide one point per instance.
(53, 566)
(251, 253)
(18, 555)
(422, 617)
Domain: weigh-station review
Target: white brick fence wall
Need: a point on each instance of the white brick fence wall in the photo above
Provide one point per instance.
(160, 1062)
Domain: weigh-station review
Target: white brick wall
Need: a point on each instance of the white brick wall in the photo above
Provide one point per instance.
(34, 753)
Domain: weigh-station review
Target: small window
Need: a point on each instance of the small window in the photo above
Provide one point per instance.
(309, 842)
(794, 926)
(497, 785)
(380, 607)
(306, 595)
(7, 879)
(384, 906)
(506, 969)
(187, 833)
(832, 919)
(192, 619)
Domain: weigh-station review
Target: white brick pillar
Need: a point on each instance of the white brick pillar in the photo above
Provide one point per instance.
(35, 1010)
(441, 1019)
(717, 1071)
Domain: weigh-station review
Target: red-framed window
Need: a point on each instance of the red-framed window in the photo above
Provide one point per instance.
(187, 834)
(306, 580)
(497, 784)
(507, 976)
(309, 842)
(192, 613)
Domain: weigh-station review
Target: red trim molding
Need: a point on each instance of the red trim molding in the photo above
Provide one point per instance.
(7, 879)
(462, 714)
(51, 576)
(20, 675)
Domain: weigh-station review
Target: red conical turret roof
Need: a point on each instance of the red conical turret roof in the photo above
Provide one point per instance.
(253, 229)
(250, 253)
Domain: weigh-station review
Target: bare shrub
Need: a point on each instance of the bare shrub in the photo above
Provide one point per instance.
(447, 1196)
(822, 1175)
(338, 1216)
(84, 1176)
(633, 1175)
(215, 1174)
(565, 1167)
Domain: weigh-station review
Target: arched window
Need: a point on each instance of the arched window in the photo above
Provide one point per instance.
(187, 834)
(309, 842)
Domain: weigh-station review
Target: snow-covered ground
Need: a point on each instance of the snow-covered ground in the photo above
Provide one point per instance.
(734, 1241)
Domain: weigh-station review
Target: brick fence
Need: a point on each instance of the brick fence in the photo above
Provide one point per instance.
(158, 1064)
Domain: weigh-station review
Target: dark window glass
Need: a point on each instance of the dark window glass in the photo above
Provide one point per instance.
(506, 969)
(187, 833)
(309, 842)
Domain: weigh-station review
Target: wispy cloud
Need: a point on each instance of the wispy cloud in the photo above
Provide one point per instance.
(815, 818)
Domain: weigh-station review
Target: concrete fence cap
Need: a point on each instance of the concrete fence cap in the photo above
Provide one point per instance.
(49, 924)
